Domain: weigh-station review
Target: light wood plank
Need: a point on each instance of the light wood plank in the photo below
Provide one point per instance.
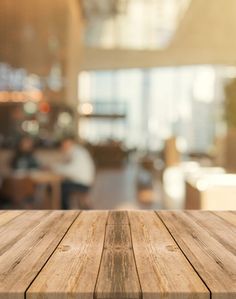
(7, 216)
(213, 262)
(218, 228)
(228, 216)
(23, 260)
(13, 231)
(118, 275)
(163, 270)
(72, 270)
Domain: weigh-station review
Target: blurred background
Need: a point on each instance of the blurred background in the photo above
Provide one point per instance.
(118, 104)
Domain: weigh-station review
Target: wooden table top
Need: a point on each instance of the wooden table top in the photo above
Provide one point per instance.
(113, 255)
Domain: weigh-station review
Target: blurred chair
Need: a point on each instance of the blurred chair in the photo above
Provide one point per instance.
(80, 201)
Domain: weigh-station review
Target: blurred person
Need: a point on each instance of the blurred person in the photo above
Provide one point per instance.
(24, 158)
(19, 191)
(78, 171)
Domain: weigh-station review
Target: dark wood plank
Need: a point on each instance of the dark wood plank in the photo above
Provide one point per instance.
(163, 270)
(214, 263)
(23, 260)
(118, 218)
(73, 268)
(118, 277)
(118, 238)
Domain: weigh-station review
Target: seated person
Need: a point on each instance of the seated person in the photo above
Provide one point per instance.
(24, 158)
(19, 192)
(78, 170)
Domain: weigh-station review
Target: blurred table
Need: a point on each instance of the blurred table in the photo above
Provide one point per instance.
(211, 192)
(41, 178)
(119, 255)
(53, 181)
(174, 181)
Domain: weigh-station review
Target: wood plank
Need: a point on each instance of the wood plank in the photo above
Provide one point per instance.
(13, 231)
(118, 218)
(7, 216)
(73, 268)
(213, 262)
(218, 228)
(23, 260)
(118, 276)
(228, 216)
(120, 237)
(163, 270)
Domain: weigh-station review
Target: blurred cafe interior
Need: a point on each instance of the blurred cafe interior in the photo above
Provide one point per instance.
(118, 104)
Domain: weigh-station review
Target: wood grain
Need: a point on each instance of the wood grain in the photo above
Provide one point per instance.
(118, 276)
(117, 255)
(118, 237)
(72, 270)
(228, 216)
(24, 254)
(217, 227)
(118, 218)
(7, 216)
(13, 231)
(163, 270)
(214, 263)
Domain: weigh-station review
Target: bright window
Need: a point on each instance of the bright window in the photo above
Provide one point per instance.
(157, 103)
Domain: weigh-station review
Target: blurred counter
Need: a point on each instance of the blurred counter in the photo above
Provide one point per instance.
(211, 192)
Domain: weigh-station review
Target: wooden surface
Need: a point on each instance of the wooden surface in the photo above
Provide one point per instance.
(115, 255)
